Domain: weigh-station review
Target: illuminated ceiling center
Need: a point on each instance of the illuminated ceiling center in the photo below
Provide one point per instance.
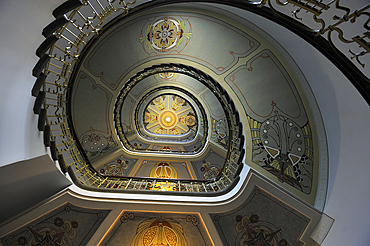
(169, 114)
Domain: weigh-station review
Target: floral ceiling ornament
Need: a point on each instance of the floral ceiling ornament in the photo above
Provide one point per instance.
(159, 231)
(169, 114)
(166, 75)
(165, 34)
(56, 236)
(210, 171)
(285, 149)
(256, 232)
(163, 170)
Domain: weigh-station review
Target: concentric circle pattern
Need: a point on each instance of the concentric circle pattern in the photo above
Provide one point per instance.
(152, 102)
(168, 119)
(169, 115)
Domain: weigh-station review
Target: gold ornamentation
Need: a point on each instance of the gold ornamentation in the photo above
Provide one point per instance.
(150, 117)
(158, 100)
(316, 8)
(163, 170)
(159, 130)
(159, 103)
(190, 120)
(175, 106)
(168, 119)
(175, 131)
(170, 236)
(166, 148)
(180, 101)
(146, 117)
(166, 75)
(165, 34)
(182, 120)
(159, 232)
(169, 115)
(149, 236)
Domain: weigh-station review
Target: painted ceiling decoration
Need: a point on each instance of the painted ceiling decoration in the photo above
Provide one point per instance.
(165, 34)
(186, 110)
(170, 115)
(161, 118)
(183, 111)
(151, 229)
(178, 99)
(259, 222)
(159, 232)
(285, 150)
(65, 225)
(163, 170)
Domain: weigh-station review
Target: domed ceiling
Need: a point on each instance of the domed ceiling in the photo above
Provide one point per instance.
(186, 94)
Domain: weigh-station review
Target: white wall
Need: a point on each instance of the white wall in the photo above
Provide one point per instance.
(21, 24)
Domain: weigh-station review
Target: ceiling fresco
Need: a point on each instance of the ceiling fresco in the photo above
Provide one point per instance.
(146, 229)
(65, 225)
(191, 30)
(261, 220)
(161, 117)
(169, 115)
(133, 121)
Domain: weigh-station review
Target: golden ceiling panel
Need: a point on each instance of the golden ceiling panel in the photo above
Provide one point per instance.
(170, 115)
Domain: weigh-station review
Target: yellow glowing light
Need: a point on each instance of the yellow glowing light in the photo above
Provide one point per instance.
(168, 119)
(171, 117)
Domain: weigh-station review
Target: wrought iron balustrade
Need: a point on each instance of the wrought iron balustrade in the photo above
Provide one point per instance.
(79, 21)
(66, 37)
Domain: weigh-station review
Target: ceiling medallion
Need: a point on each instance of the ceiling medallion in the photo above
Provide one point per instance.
(166, 75)
(168, 119)
(165, 34)
(169, 114)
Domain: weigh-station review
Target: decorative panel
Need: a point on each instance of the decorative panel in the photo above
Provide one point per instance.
(210, 165)
(119, 166)
(149, 229)
(282, 139)
(66, 225)
(147, 169)
(168, 35)
(261, 220)
(90, 106)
